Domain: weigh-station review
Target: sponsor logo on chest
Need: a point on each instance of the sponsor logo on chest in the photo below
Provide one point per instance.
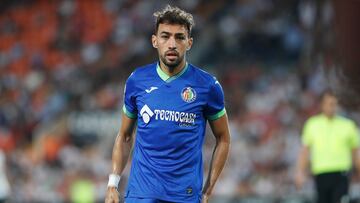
(167, 115)
(187, 94)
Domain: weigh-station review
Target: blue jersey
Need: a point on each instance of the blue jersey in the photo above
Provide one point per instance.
(171, 115)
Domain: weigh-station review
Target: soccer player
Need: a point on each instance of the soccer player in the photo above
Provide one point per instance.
(331, 142)
(170, 101)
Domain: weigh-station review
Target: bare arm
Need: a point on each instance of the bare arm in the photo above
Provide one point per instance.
(356, 159)
(122, 145)
(121, 152)
(220, 129)
(302, 166)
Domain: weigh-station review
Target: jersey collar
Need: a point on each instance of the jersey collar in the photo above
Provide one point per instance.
(323, 116)
(167, 78)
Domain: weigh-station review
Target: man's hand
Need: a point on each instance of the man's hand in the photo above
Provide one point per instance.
(205, 198)
(301, 166)
(300, 179)
(112, 195)
(207, 191)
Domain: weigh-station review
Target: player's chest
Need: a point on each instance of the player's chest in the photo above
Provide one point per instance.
(174, 97)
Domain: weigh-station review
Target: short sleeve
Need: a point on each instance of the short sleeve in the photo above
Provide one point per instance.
(306, 137)
(129, 107)
(215, 107)
(354, 136)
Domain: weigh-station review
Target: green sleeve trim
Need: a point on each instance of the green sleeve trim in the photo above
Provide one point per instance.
(217, 116)
(128, 113)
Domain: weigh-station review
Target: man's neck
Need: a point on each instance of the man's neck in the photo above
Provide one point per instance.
(172, 71)
(329, 116)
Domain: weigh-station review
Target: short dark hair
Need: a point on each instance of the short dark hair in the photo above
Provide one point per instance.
(174, 15)
(327, 92)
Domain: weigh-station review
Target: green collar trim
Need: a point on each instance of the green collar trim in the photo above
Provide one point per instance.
(167, 78)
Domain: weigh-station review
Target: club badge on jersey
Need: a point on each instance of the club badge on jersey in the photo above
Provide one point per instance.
(188, 94)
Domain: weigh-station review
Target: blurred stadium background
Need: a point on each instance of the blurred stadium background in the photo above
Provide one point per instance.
(63, 65)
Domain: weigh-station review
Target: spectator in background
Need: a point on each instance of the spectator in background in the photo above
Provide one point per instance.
(4, 183)
(332, 142)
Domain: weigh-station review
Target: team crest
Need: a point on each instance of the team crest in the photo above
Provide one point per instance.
(188, 94)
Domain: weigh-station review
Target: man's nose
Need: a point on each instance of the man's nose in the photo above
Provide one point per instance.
(172, 43)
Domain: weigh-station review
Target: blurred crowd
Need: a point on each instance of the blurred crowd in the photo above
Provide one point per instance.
(63, 65)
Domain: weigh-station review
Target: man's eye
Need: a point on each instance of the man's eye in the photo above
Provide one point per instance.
(180, 37)
(164, 36)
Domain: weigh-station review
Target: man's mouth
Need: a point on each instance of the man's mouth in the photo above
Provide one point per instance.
(172, 55)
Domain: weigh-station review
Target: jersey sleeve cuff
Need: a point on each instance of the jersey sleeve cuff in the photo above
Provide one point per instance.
(128, 113)
(217, 115)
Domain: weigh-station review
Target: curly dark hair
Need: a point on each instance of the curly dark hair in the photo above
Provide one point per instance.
(174, 15)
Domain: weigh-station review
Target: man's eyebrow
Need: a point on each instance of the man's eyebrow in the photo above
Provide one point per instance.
(164, 32)
(180, 34)
(168, 33)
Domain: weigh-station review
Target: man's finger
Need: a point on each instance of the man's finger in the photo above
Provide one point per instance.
(205, 199)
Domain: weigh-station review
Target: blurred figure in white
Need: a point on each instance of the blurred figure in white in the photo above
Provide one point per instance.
(4, 183)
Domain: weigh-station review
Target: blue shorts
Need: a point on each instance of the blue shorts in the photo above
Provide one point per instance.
(143, 200)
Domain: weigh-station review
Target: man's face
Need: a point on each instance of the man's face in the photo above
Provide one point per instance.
(172, 41)
(329, 105)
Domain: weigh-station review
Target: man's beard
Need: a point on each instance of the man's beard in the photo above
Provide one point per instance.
(171, 64)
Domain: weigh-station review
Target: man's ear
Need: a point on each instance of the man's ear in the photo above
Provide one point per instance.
(154, 41)
(190, 42)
